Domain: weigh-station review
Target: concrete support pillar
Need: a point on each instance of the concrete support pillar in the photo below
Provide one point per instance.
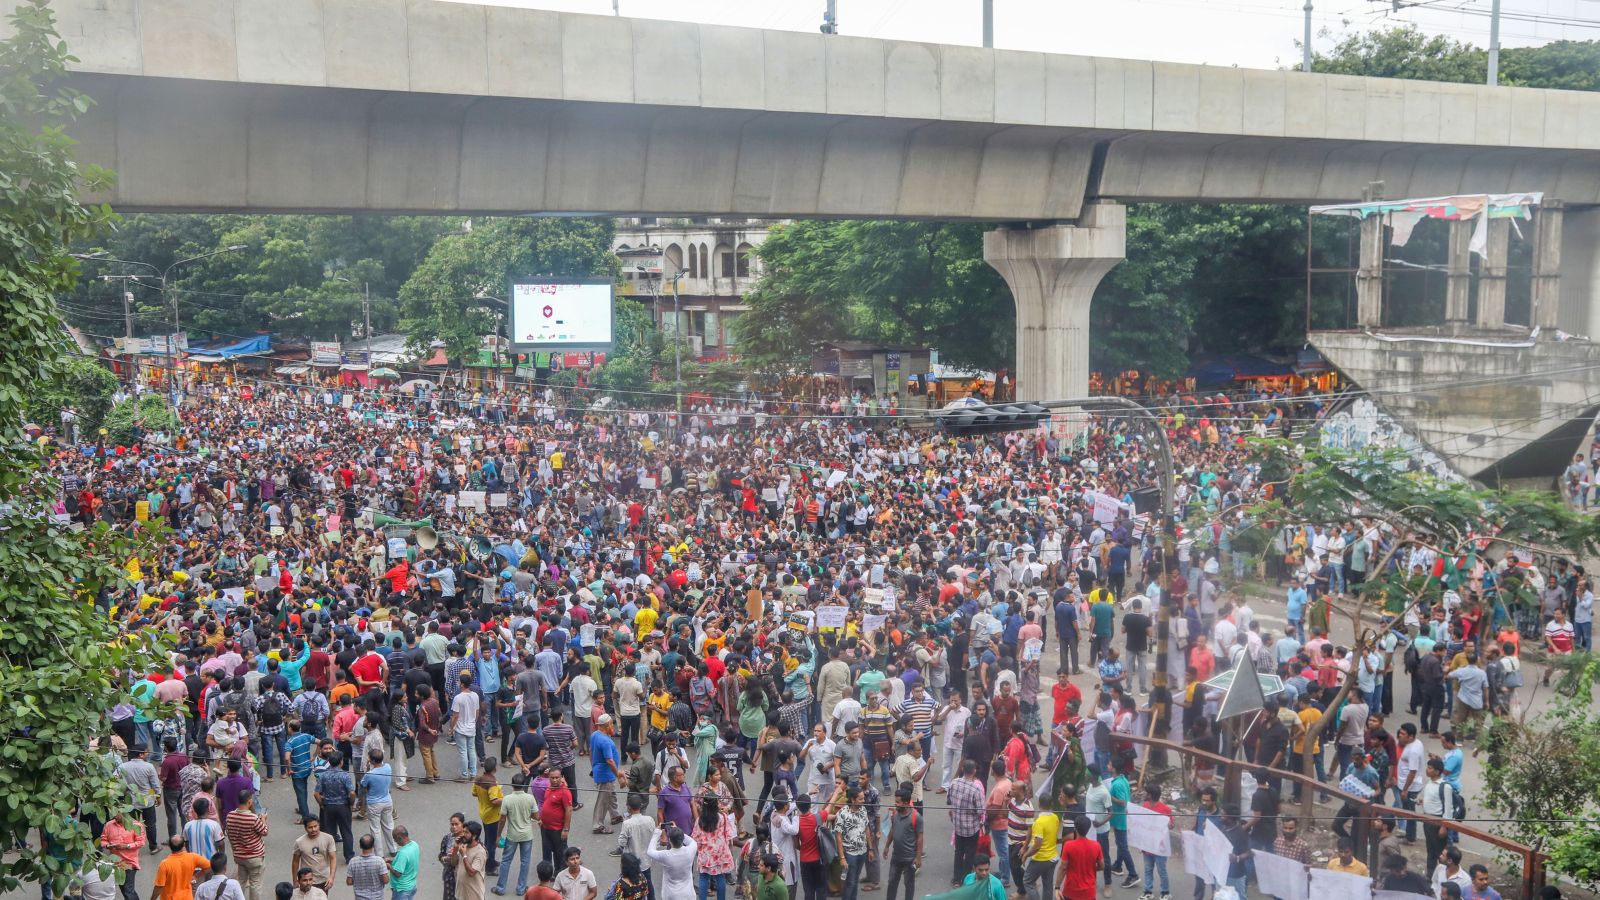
(1580, 271)
(1546, 295)
(1053, 272)
(1458, 272)
(1369, 274)
(1492, 277)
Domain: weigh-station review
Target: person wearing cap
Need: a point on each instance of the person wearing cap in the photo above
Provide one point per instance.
(606, 767)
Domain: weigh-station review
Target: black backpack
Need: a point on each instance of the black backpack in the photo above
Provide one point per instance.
(272, 710)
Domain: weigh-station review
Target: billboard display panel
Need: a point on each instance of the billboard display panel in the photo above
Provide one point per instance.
(561, 314)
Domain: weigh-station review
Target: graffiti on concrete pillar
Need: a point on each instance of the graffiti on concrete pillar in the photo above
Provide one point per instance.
(1361, 423)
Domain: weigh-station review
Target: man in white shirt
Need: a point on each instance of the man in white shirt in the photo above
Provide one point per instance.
(952, 716)
(845, 713)
(576, 882)
(464, 711)
(1335, 544)
(1409, 774)
(1583, 616)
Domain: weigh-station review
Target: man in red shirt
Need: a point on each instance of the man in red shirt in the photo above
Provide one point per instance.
(370, 669)
(1081, 861)
(555, 818)
(1063, 692)
(317, 668)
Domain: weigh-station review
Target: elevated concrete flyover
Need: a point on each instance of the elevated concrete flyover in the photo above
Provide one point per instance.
(427, 106)
(420, 106)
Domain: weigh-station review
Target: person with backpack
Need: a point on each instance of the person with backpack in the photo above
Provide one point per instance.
(219, 886)
(311, 706)
(1439, 798)
(272, 709)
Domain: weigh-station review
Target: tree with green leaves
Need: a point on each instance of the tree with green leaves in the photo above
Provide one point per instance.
(1406, 52)
(1542, 776)
(81, 384)
(895, 282)
(63, 664)
(458, 292)
(299, 276)
(1456, 520)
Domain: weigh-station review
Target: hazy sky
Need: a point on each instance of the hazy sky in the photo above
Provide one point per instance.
(1251, 33)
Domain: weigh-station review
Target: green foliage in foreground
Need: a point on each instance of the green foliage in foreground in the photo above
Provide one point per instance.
(62, 664)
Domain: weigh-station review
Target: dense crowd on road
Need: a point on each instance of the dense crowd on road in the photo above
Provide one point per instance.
(755, 650)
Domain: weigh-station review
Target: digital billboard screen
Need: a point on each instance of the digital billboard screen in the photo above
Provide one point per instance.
(561, 314)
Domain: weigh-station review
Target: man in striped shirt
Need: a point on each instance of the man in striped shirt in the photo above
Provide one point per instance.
(247, 835)
(920, 707)
(1020, 813)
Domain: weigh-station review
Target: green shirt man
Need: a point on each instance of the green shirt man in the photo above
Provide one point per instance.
(407, 859)
(517, 811)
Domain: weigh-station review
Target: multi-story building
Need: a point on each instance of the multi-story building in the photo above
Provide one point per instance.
(718, 266)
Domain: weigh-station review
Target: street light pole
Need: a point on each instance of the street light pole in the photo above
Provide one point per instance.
(1494, 43)
(127, 321)
(1305, 49)
(677, 354)
(988, 23)
(177, 319)
(176, 383)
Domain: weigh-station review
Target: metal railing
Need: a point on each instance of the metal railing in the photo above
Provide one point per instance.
(1367, 810)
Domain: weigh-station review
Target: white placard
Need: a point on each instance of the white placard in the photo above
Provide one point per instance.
(871, 622)
(1329, 885)
(233, 594)
(586, 634)
(647, 483)
(266, 584)
(1219, 852)
(474, 500)
(835, 478)
(497, 500)
(832, 616)
(873, 596)
(397, 548)
(1148, 831)
(1194, 856)
(1106, 507)
(1281, 877)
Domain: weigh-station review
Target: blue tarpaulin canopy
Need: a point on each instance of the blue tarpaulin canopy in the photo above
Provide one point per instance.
(1233, 367)
(254, 346)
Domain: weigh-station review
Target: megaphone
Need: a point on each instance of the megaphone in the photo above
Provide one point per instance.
(426, 537)
(480, 549)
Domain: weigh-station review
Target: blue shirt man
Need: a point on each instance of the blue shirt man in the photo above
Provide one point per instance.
(604, 760)
(300, 747)
(376, 781)
(1297, 604)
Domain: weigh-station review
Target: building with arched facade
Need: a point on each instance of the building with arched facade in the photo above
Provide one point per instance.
(718, 264)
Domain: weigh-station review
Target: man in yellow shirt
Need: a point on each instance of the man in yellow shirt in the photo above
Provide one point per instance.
(1042, 852)
(486, 787)
(1346, 860)
(644, 622)
(1307, 716)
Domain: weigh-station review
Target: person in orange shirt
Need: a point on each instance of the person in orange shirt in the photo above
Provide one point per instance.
(175, 875)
